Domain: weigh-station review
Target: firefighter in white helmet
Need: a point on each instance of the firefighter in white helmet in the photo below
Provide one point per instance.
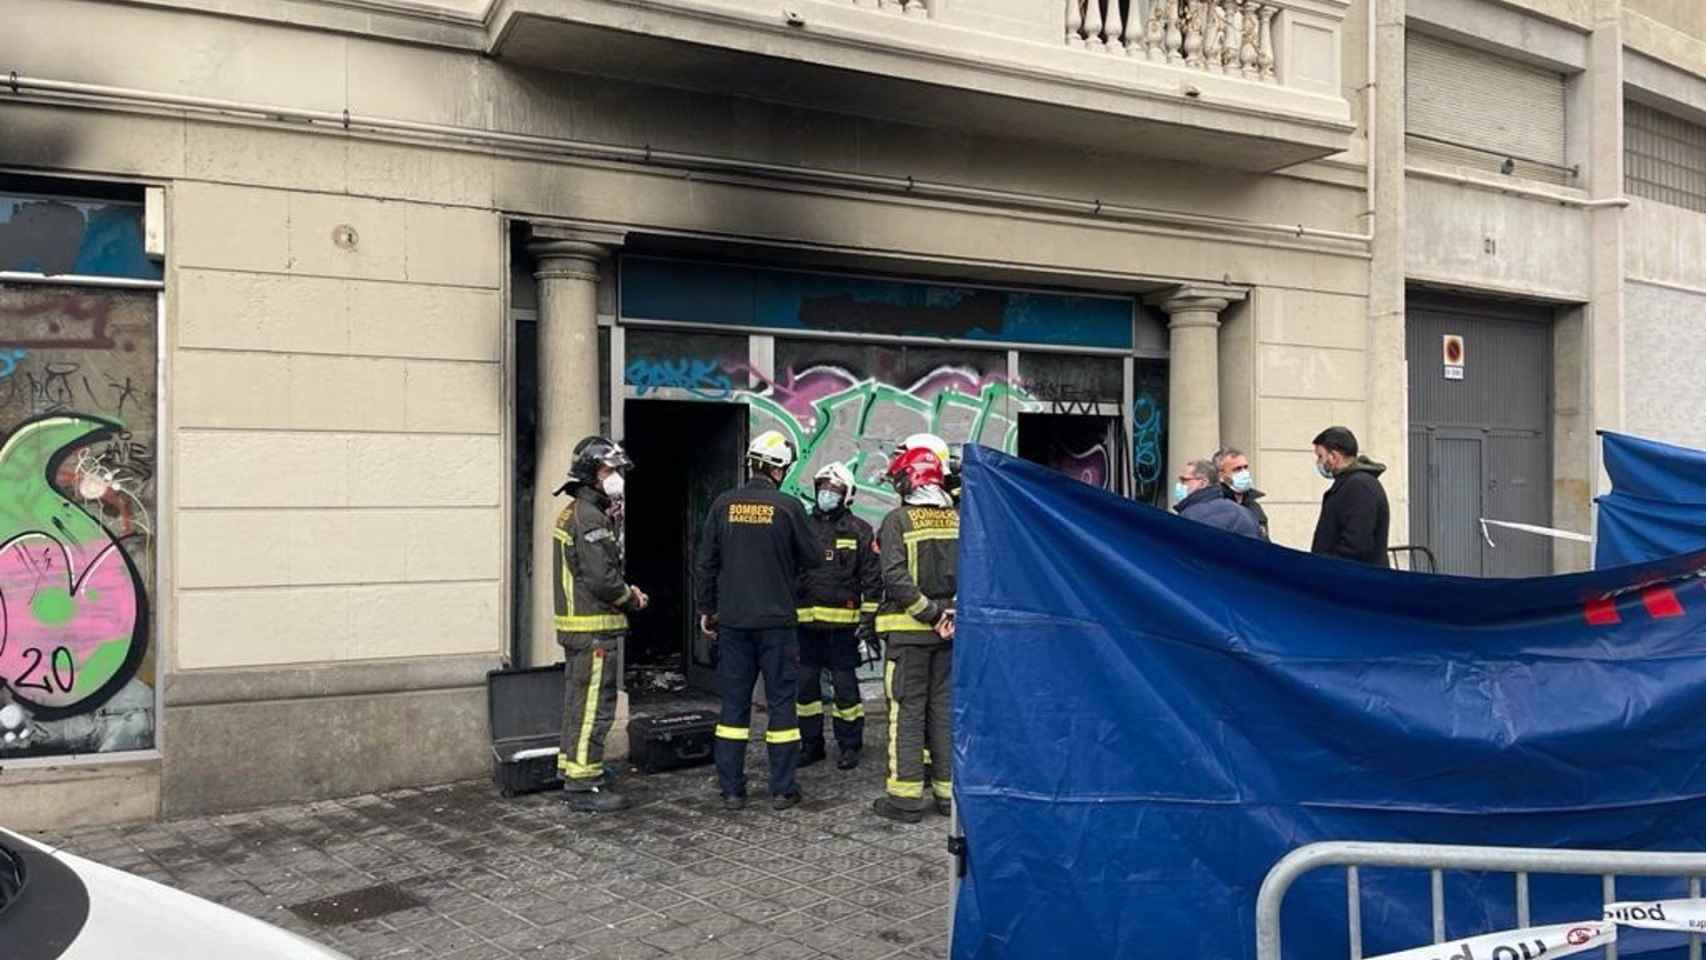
(838, 611)
(756, 543)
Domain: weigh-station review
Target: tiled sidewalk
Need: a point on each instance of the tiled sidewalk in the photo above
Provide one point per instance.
(465, 874)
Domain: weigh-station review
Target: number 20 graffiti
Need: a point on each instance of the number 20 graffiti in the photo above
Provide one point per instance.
(73, 609)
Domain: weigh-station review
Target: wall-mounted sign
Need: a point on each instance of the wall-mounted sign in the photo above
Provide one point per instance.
(1451, 352)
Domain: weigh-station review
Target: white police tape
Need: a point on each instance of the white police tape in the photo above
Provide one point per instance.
(1688, 916)
(1529, 943)
(1561, 940)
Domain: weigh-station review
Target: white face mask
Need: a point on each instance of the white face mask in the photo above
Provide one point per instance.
(613, 485)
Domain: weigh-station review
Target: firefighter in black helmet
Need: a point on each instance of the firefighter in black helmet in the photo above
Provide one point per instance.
(756, 543)
(592, 605)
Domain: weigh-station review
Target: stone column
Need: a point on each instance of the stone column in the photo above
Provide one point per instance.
(1387, 370)
(566, 266)
(1193, 369)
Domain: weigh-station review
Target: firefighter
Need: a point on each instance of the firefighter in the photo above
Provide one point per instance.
(938, 446)
(838, 612)
(919, 549)
(591, 602)
(756, 544)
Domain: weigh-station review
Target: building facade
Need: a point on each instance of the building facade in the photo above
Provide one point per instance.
(303, 304)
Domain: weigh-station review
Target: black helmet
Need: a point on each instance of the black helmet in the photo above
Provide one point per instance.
(590, 454)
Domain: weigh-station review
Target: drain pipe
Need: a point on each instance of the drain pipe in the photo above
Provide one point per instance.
(75, 94)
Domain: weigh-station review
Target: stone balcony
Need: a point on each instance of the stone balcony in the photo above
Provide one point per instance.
(1241, 84)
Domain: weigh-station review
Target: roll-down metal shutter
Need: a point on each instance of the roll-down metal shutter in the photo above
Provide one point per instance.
(1481, 103)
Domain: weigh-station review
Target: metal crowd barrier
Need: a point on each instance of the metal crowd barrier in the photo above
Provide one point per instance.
(1437, 859)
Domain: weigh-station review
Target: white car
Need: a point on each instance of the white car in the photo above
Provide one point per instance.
(58, 906)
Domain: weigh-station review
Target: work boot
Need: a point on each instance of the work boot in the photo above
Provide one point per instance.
(595, 800)
(849, 759)
(787, 800)
(811, 752)
(886, 807)
(944, 807)
(733, 802)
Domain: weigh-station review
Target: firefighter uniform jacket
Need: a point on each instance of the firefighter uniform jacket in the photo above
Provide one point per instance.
(847, 583)
(590, 591)
(919, 549)
(756, 544)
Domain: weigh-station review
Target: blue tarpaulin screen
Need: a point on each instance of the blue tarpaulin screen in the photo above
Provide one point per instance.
(1657, 504)
(1149, 713)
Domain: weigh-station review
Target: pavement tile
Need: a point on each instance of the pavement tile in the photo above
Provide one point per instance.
(677, 876)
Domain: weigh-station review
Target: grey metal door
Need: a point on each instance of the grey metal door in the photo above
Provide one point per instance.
(1480, 446)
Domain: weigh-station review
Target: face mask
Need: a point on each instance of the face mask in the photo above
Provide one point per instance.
(1241, 481)
(1322, 469)
(1180, 491)
(828, 500)
(613, 486)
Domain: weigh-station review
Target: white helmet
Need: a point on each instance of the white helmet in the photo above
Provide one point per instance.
(771, 449)
(838, 474)
(930, 442)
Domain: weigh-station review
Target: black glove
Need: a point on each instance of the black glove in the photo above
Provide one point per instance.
(866, 635)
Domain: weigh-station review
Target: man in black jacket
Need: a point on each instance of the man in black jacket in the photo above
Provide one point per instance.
(838, 610)
(756, 543)
(1239, 486)
(1354, 513)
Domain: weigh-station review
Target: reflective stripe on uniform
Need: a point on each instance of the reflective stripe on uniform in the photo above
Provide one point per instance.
(828, 615)
(589, 713)
(869, 606)
(901, 623)
(812, 709)
(732, 733)
(803, 614)
(944, 789)
(578, 771)
(931, 533)
(846, 544)
(894, 721)
(916, 607)
(790, 735)
(595, 623)
(855, 712)
(906, 789)
(927, 756)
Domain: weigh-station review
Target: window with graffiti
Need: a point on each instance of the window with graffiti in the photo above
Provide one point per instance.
(77, 519)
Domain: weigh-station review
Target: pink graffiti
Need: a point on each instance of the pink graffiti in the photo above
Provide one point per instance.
(798, 391)
(49, 604)
(1089, 466)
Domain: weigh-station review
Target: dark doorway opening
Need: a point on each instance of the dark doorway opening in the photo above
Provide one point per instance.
(685, 454)
(1085, 446)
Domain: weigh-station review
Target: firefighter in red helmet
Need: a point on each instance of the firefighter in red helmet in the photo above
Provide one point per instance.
(919, 551)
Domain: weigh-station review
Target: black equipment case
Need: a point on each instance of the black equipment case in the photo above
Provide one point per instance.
(525, 709)
(672, 740)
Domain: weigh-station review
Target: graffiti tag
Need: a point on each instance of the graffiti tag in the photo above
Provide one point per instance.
(73, 617)
(703, 379)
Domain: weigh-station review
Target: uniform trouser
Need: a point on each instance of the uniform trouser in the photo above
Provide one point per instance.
(590, 678)
(917, 679)
(741, 656)
(837, 650)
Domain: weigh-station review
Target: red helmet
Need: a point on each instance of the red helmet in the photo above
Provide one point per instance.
(914, 468)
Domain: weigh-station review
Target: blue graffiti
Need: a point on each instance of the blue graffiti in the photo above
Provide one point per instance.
(1146, 443)
(702, 379)
(9, 361)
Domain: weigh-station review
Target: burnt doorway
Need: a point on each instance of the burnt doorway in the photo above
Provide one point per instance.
(1085, 446)
(685, 454)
